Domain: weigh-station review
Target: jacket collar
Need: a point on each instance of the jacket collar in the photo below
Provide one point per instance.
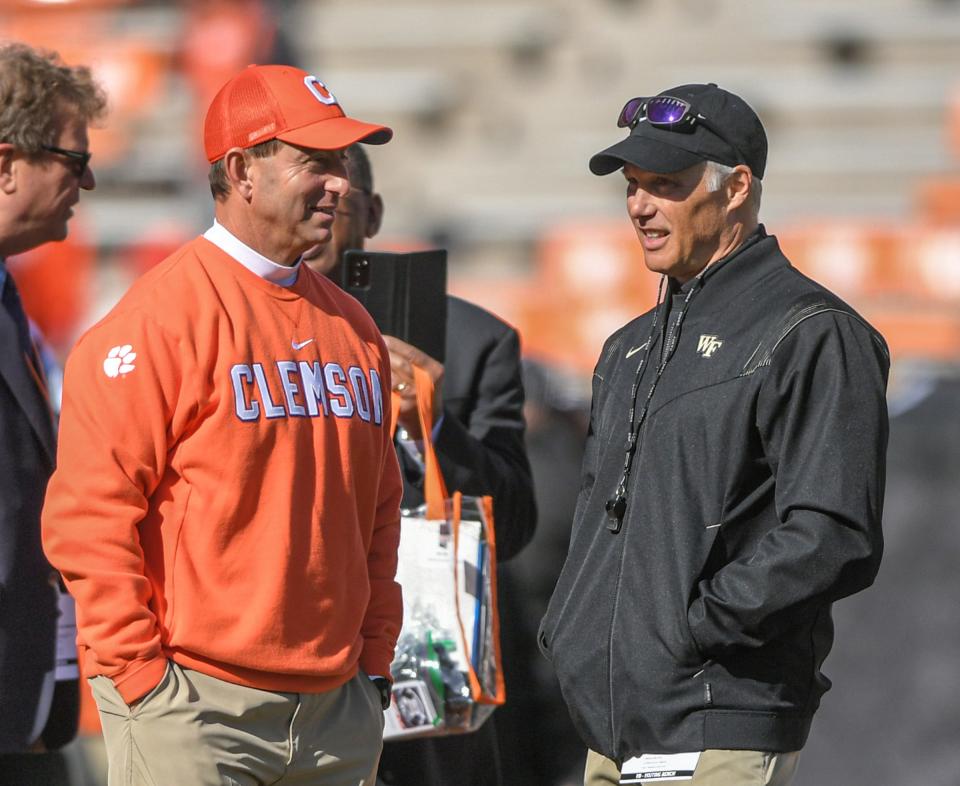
(728, 278)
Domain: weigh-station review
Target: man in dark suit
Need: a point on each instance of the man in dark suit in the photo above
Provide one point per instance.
(44, 163)
(480, 448)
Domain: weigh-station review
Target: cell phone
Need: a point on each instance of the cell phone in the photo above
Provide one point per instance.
(406, 294)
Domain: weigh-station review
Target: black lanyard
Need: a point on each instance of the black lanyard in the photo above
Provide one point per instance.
(616, 506)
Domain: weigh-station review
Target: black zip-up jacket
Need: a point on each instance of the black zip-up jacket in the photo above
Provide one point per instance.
(753, 502)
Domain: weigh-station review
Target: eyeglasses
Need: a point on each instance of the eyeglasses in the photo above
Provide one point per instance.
(670, 114)
(78, 161)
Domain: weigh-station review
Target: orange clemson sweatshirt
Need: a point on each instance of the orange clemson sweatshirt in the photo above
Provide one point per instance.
(227, 493)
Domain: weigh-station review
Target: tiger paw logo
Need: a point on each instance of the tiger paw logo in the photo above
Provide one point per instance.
(119, 361)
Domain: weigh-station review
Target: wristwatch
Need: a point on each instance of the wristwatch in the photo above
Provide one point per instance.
(382, 684)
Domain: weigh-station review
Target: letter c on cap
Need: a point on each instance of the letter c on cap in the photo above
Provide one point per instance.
(312, 84)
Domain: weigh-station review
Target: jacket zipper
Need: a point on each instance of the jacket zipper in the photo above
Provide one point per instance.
(668, 344)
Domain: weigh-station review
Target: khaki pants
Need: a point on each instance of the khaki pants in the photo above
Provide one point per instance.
(715, 768)
(197, 730)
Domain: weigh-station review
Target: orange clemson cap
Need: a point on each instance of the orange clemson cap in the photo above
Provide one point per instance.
(266, 102)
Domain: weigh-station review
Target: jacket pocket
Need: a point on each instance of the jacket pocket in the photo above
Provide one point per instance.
(542, 642)
(559, 601)
(543, 637)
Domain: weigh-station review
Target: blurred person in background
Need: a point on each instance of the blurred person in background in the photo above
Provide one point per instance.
(479, 439)
(225, 508)
(46, 107)
(538, 744)
(733, 478)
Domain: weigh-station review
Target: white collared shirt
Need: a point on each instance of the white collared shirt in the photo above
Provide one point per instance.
(254, 261)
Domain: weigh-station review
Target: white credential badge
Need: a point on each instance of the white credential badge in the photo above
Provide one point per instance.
(119, 361)
(325, 96)
(657, 767)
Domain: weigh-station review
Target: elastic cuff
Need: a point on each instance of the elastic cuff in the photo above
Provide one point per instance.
(376, 661)
(139, 678)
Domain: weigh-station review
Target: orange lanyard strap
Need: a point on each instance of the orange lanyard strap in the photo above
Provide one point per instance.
(434, 488)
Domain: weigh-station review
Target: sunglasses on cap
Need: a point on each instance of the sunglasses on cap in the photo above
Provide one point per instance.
(670, 114)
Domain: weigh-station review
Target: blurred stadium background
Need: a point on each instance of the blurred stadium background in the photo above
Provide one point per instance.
(497, 105)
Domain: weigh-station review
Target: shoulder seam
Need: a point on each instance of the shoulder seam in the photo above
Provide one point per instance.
(802, 315)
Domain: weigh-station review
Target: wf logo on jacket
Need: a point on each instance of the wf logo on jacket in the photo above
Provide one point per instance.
(707, 345)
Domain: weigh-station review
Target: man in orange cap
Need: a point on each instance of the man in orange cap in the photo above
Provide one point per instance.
(226, 504)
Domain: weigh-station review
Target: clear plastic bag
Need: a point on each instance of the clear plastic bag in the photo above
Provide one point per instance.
(447, 671)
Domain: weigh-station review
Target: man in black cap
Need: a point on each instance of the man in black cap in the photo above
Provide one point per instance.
(733, 477)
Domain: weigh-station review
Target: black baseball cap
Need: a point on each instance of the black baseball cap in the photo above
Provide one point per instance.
(731, 134)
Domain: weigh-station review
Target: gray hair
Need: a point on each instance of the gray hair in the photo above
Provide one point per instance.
(36, 89)
(716, 173)
(217, 176)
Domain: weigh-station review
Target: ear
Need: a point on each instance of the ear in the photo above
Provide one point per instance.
(374, 214)
(738, 186)
(8, 175)
(236, 166)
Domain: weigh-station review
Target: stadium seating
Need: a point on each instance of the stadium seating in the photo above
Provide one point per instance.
(497, 106)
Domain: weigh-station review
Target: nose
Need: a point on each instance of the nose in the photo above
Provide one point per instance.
(339, 185)
(87, 181)
(639, 204)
